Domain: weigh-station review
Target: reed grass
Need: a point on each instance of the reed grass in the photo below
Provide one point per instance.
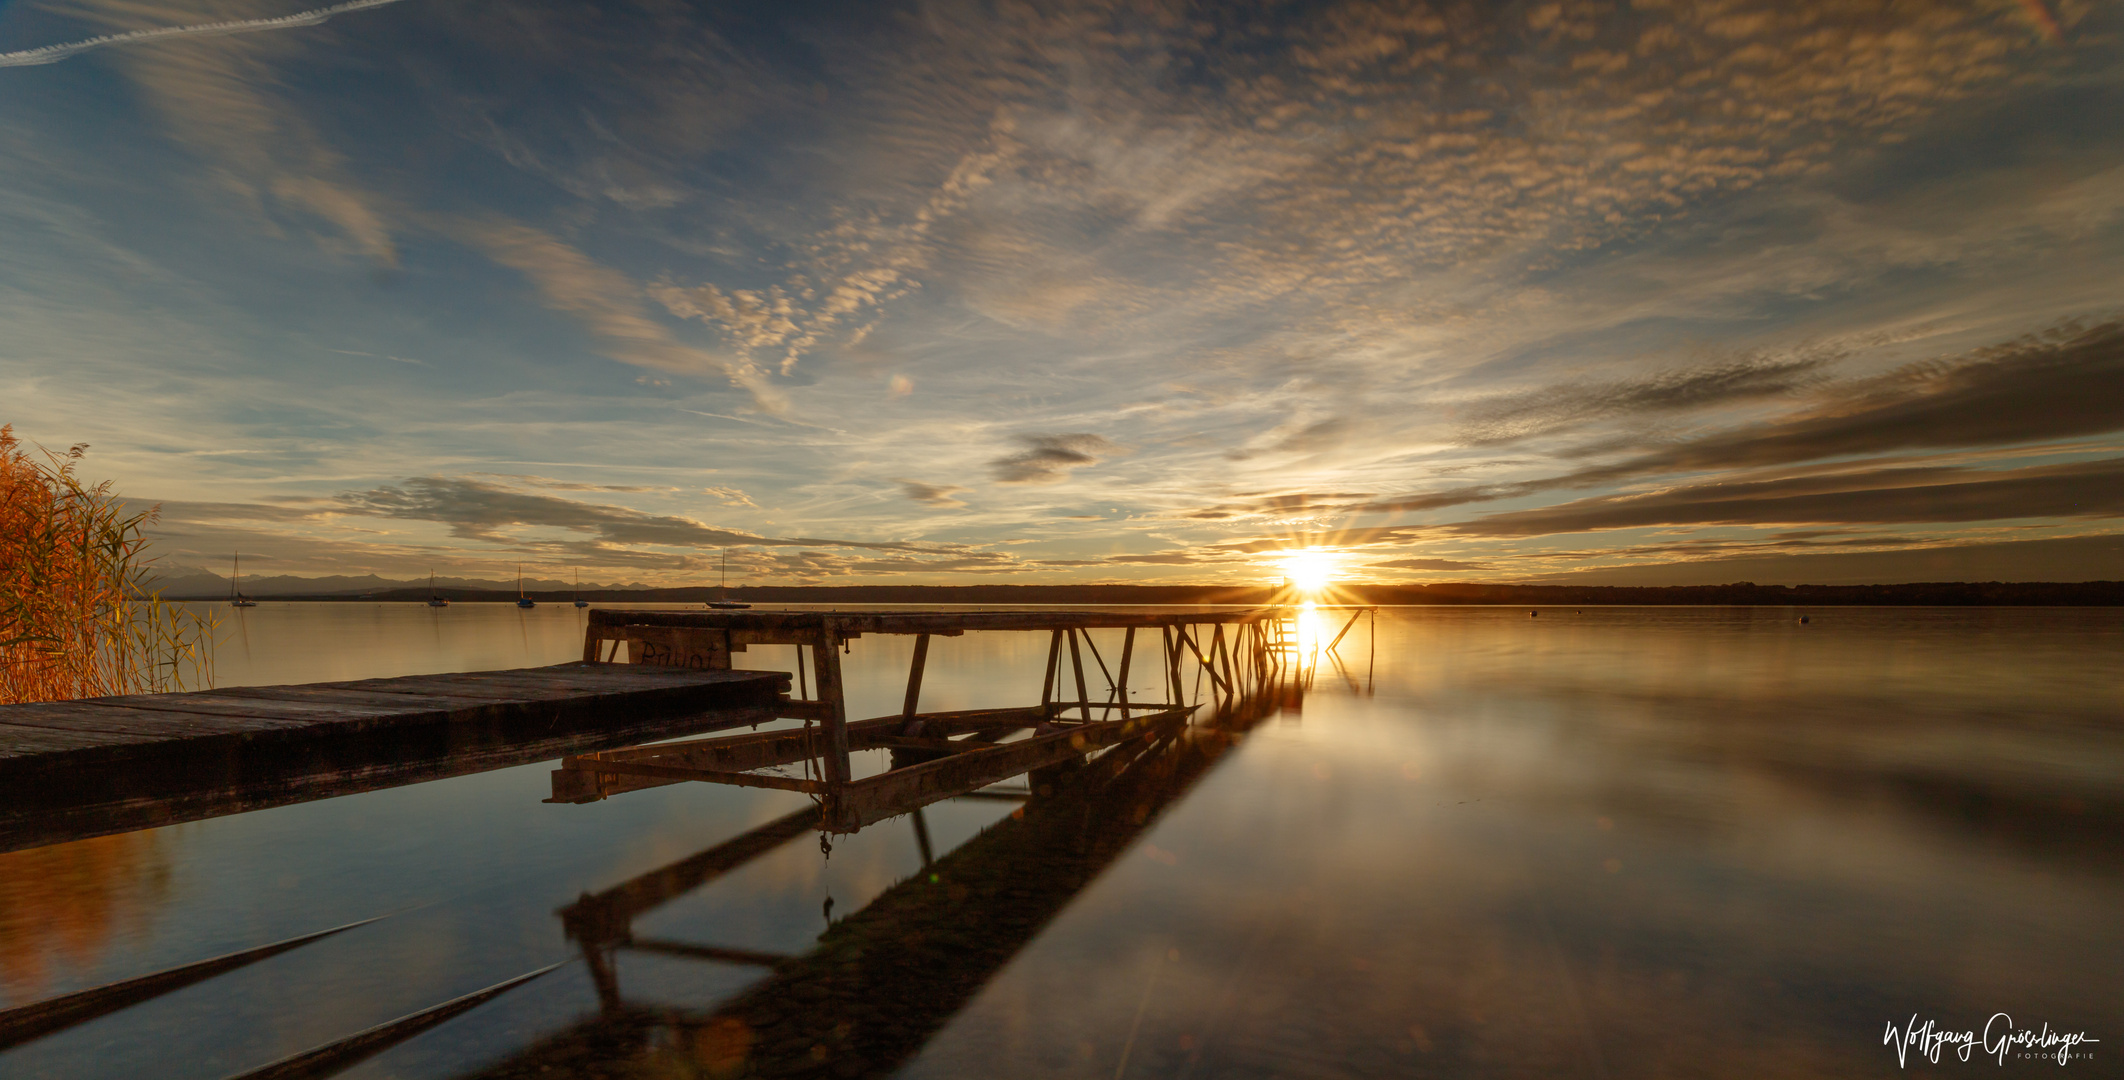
(78, 614)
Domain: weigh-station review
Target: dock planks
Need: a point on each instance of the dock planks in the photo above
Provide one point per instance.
(72, 769)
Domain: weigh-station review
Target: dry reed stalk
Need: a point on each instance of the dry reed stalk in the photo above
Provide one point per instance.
(77, 615)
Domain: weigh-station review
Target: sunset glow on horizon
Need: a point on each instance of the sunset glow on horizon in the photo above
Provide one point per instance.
(1079, 292)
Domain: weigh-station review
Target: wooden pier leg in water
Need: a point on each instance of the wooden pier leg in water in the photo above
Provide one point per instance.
(826, 664)
(922, 832)
(1218, 656)
(1076, 660)
(914, 680)
(1128, 652)
(803, 690)
(1171, 651)
(1047, 684)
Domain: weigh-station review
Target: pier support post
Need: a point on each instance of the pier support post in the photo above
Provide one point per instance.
(826, 665)
(1076, 660)
(1047, 684)
(914, 679)
(1128, 652)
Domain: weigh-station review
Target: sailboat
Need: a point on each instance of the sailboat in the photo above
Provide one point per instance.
(236, 596)
(579, 601)
(435, 599)
(723, 599)
(521, 599)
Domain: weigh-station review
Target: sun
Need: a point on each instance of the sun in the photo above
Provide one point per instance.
(1309, 571)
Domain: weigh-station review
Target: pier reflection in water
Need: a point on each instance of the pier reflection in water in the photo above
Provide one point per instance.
(1622, 843)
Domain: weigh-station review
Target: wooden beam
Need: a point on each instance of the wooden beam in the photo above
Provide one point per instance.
(677, 772)
(1047, 682)
(826, 664)
(334, 1058)
(1354, 616)
(1128, 653)
(25, 1022)
(851, 806)
(1076, 660)
(914, 677)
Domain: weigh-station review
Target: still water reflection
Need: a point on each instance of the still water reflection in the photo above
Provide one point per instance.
(1622, 842)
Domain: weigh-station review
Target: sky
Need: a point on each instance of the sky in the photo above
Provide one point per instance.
(1644, 291)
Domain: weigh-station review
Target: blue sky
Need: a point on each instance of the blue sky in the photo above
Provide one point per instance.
(1079, 292)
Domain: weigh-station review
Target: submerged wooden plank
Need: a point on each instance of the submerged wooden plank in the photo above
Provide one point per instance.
(25, 1022)
(337, 1057)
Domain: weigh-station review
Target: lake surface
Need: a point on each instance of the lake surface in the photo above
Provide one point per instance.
(1609, 842)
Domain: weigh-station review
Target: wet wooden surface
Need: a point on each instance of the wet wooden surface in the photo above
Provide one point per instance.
(84, 768)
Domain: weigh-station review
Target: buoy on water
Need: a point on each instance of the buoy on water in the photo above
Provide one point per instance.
(1533, 614)
(1803, 619)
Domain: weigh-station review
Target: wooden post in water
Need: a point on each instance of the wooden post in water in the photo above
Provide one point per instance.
(1076, 660)
(1047, 684)
(1171, 651)
(1128, 652)
(914, 678)
(826, 665)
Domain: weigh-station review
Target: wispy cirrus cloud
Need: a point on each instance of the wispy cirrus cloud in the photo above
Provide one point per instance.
(609, 305)
(52, 54)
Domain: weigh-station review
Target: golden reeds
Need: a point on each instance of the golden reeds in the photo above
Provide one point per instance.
(77, 615)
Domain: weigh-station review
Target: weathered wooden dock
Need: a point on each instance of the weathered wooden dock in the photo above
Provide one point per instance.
(1232, 654)
(1099, 764)
(71, 769)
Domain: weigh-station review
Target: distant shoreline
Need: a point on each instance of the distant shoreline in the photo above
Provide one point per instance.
(1743, 594)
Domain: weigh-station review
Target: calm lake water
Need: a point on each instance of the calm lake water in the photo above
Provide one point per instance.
(1616, 842)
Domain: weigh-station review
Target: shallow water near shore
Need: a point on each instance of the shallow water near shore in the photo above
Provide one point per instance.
(1600, 842)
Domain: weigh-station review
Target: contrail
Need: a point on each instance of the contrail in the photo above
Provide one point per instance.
(52, 54)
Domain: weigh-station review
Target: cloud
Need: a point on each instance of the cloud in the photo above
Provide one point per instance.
(1426, 564)
(480, 511)
(937, 495)
(2062, 383)
(52, 54)
(1050, 458)
(1525, 415)
(2064, 558)
(730, 496)
(1882, 496)
(609, 305)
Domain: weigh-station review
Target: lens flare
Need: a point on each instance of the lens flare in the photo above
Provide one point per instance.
(1309, 571)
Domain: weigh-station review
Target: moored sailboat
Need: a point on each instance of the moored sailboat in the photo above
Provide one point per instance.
(236, 596)
(435, 599)
(521, 599)
(723, 599)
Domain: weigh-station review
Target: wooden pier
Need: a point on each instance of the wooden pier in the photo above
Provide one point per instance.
(1100, 764)
(73, 769)
(1230, 654)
